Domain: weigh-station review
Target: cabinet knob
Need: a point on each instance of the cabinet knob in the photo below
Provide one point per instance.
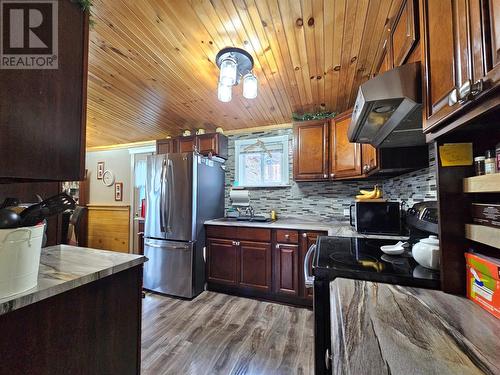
(304, 235)
(277, 246)
(366, 168)
(332, 175)
(325, 176)
(287, 236)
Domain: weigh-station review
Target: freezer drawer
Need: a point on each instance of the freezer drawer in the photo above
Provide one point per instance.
(169, 269)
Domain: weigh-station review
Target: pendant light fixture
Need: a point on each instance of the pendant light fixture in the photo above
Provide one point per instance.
(235, 64)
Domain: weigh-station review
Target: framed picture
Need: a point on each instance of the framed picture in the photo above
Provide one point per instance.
(100, 170)
(119, 191)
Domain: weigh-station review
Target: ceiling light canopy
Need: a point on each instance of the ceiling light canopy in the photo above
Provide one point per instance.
(235, 64)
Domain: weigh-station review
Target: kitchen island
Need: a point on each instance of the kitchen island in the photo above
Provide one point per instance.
(388, 329)
(84, 316)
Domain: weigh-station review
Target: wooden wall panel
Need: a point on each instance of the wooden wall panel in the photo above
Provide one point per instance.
(152, 70)
(108, 227)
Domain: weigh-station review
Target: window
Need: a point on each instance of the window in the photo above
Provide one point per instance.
(261, 162)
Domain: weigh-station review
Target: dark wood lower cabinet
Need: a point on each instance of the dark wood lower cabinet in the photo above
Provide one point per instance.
(92, 329)
(286, 265)
(255, 265)
(260, 263)
(222, 261)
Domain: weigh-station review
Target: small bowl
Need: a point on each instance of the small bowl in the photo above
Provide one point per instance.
(391, 250)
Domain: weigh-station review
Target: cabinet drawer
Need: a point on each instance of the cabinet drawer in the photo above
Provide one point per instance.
(287, 236)
(239, 233)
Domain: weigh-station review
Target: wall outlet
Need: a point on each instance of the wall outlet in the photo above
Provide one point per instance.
(347, 212)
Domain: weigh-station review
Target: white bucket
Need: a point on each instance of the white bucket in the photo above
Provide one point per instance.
(20, 250)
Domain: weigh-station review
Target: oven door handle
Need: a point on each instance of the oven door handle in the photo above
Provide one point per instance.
(350, 214)
(308, 278)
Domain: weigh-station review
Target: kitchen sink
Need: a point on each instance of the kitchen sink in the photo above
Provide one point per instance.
(253, 218)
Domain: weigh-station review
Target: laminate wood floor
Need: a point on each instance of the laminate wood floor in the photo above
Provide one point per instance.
(221, 334)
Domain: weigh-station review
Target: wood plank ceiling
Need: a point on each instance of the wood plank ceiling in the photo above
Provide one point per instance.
(152, 70)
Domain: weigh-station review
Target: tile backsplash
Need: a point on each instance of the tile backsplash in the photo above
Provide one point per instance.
(327, 199)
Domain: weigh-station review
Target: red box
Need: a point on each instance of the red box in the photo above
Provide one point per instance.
(483, 282)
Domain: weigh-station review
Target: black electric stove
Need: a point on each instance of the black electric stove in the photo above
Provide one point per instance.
(357, 258)
(361, 258)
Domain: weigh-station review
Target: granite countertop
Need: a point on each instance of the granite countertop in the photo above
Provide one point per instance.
(388, 329)
(334, 227)
(66, 267)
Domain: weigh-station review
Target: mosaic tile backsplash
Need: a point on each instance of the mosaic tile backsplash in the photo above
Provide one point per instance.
(327, 199)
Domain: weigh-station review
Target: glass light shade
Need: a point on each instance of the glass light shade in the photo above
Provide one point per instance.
(224, 92)
(228, 71)
(250, 86)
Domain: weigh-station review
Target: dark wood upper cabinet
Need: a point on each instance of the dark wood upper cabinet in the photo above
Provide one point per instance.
(369, 158)
(185, 144)
(43, 112)
(286, 269)
(255, 265)
(404, 32)
(214, 144)
(345, 157)
(310, 151)
(164, 146)
(460, 57)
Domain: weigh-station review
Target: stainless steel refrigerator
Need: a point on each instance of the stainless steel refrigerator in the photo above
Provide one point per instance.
(182, 191)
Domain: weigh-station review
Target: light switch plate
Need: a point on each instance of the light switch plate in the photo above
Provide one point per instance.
(346, 212)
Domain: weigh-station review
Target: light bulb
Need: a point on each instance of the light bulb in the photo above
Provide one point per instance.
(224, 93)
(228, 71)
(250, 86)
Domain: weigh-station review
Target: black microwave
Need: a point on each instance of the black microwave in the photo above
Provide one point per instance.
(376, 217)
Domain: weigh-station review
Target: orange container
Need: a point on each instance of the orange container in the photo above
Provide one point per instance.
(483, 282)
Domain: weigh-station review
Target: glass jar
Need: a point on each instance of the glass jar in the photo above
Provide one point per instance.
(479, 162)
(490, 162)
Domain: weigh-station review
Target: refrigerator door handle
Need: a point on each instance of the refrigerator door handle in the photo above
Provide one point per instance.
(168, 247)
(162, 196)
(170, 181)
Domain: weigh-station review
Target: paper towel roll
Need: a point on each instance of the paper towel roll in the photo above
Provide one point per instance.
(239, 198)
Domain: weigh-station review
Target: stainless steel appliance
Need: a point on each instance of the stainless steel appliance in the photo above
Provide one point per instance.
(388, 109)
(376, 217)
(182, 191)
(362, 259)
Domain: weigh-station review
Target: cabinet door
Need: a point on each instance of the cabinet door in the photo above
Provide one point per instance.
(286, 273)
(310, 151)
(212, 143)
(43, 112)
(345, 157)
(222, 261)
(185, 144)
(255, 265)
(165, 146)
(404, 33)
(493, 65)
(369, 158)
(307, 239)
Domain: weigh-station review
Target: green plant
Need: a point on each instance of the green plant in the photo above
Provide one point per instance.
(307, 116)
(86, 6)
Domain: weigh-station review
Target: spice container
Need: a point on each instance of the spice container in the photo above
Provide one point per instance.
(490, 162)
(479, 165)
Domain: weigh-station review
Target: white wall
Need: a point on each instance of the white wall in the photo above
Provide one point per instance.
(117, 161)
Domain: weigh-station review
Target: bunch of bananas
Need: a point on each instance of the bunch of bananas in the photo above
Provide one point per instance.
(376, 193)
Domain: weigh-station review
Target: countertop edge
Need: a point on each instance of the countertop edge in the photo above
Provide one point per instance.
(32, 296)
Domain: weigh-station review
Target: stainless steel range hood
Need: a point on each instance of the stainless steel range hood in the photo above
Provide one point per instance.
(388, 109)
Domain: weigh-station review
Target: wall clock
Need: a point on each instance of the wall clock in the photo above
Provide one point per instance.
(108, 178)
